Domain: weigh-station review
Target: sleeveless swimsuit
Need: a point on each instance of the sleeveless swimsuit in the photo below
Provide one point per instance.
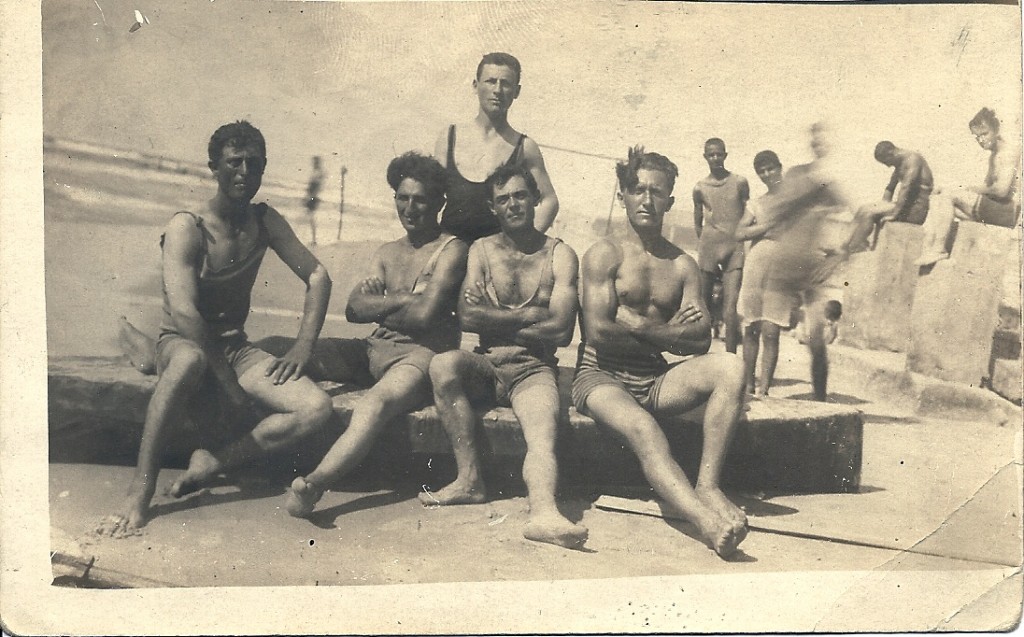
(467, 214)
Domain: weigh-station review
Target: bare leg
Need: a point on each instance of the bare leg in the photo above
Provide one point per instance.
(297, 408)
(312, 227)
(937, 226)
(708, 290)
(613, 407)
(770, 356)
(864, 224)
(402, 388)
(731, 281)
(718, 379)
(182, 373)
(751, 345)
(139, 348)
(456, 376)
(536, 407)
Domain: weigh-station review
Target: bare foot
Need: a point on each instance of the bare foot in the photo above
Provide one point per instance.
(718, 533)
(455, 493)
(717, 501)
(139, 348)
(302, 498)
(127, 523)
(202, 467)
(554, 529)
(930, 258)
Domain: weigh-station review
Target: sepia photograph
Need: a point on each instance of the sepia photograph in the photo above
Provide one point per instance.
(510, 317)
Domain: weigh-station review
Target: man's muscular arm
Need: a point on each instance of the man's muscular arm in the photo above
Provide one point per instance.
(422, 311)
(558, 327)
(910, 178)
(300, 261)
(601, 303)
(688, 331)
(1005, 167)
(547, 207)
(698, 212)
(478, 315)
(370, 301)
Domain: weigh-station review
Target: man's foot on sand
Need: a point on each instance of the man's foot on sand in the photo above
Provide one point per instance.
(139, 348)
(718, 533)
(122, 525)
(930, 258)
(554, 529)
(302, 498)
(718, 502)
(202, 468)
(454, 493)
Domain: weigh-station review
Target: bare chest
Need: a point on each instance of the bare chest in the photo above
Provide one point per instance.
(476, 157)
(516, 277)
(651, 287)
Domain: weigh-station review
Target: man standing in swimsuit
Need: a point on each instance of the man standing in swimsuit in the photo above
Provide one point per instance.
(642, 297)
(485, 144)
(519, 295)
(723, 195)
(412, 295)
(912, 174)
(210, 263)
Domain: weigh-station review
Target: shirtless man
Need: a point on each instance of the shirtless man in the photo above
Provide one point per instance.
(520, 297)
(642, 297)
(210, 262)
(914, 177)
(996, 202)
(411, 295)
(763, 315)
(724, 195)
(484, 144)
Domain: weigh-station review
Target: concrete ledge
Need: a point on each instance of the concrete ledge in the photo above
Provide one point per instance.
(97, 407)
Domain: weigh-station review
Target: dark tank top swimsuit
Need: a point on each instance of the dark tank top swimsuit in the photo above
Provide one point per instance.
(467, 214)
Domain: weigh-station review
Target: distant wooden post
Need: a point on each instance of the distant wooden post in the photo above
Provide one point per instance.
(341, 206)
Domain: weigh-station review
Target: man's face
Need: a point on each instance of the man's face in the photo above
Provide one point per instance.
(414, 206)
(769, 174)
(239, 172)
(647, 202)
(715, 155)
(985, 136)
(513, 204)
(496, 88)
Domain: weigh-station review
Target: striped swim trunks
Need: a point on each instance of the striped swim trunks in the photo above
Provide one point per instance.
(640, 376)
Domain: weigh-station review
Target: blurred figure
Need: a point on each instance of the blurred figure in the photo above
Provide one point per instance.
(719, 255)
(316, 182)
(996, 202)
(914, 177)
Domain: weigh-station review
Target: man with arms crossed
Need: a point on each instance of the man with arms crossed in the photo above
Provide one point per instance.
(642, 298)
(724, 195)
(520, 297)
(411, 295)
(210, 262)
(485, 144)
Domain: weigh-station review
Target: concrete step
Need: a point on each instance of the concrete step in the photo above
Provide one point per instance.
(97, 407)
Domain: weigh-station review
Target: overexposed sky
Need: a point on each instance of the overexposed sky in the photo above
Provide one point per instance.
(362, 82)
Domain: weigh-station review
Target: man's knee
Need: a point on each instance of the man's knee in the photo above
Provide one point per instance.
(315, 412)
(186, 364)
(445, 373)
(728, 369)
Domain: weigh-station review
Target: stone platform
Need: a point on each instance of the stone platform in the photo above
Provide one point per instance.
(97, 407)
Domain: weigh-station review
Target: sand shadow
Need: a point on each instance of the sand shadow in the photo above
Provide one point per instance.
(247, 490)
(325, 518)
(787, 382)
(762, 509)
(879, 419)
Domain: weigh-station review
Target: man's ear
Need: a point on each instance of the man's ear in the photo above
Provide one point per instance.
(671, 200)
(213, 166)
(515, 95)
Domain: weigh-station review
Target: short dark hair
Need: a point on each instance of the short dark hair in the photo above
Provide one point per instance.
(425, 170)
(637, 159)
(715, 140)
(238, 134)
(833, 310)
(503, 174)
(766, 158)
(884, 149)
(986, 116)
(498, 58)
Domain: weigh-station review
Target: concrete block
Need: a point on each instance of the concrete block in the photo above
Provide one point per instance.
(956, 306)
(879, 294)
(1007, 379)
(97, 407)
